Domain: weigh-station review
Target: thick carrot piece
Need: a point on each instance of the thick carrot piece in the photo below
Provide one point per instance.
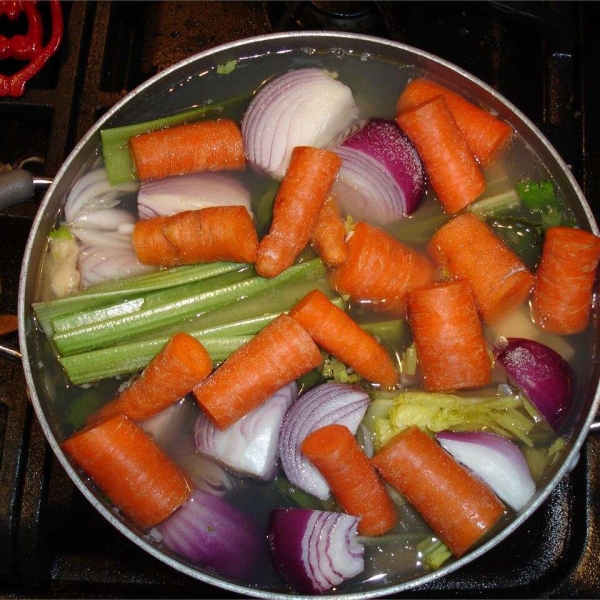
(470, 250)
(329, 235)
(337, 333)
(181, 365)
(453, 171)
(562, 294)
(485, 134)
(220, 233)
(351, 477)
(302, 193)
(459, 507)
(380, 270)
(278, 355)
(448, 336)
(205, 146)
(129, 468)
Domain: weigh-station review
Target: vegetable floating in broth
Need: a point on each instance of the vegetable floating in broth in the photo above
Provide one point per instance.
(324, 321)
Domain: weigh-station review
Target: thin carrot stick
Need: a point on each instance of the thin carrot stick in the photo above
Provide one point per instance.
(329, 235)
(470, 250)
(380, 270)
(447, 332)
(173, 372)
(205, 146)
(129, 468)
(454, 174)
(279, 354)
(562, 294)
(303, 191)
(485, 134)
(351, 477)
(211, 234)
(460, 508)
(337, 333)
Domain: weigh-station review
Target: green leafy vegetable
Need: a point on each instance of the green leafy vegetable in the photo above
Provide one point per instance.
(227, 68)
(61, 233)
(541, 199)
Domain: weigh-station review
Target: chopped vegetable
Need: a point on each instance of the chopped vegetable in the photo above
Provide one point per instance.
(496, 461)
(336, 332)
(328, 236)
(562, 295)
(433, 552)
(455, 176)
(100, 264)
(251, 444)
(181, 364)
(304, 107)
(380, 270)
(205, 146)
(464, 509)
(381, 179)
(303, 192)
(130, 468)
(228, 67)
(540, 198)
(63, 275)
(213, 534)
(326, 404)
(448, 336)
(315, 550)
(220, 233)
(353, 481)
(468, 248)
(278, 355)
(542, 374)
(486, 135)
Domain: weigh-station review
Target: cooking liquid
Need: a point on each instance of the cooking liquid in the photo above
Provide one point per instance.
(376, 86)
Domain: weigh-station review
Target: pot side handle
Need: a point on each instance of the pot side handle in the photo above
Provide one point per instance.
(19, 185)
(11, 352)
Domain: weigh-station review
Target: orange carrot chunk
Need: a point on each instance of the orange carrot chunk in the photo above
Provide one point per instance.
(205, 146)
(380, 270)
(329, 235)
(453, 171)
(172, 373)
(302, 193)
(485, 134)
(351, 477)
(470, 250)
(562, 294)
(459, 507)
(279, 354)
(337, 333)
(447, 332)
(129, 468)
(197, 236)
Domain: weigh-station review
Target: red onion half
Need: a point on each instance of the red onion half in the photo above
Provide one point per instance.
(543, 375)
(211, 533)
(250, 444)
(304, 107)
(315, 550)
(494, 459)
(324, 405)
(381, 178)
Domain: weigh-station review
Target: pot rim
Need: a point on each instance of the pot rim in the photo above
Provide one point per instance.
(568, 461)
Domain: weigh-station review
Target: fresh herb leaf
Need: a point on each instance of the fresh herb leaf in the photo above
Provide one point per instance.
(227, 68)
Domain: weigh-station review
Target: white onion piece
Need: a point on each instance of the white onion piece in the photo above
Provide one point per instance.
(382, 177)
(305, 107)
(494, 459)
(109, 218)
(99, 238)
(250, 444)
(105, 263)
(172, 195)
(213, 534)
(324, 405)
(315, 550)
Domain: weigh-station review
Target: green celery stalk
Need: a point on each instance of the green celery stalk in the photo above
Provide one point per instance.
(112, 291)
(106, 333)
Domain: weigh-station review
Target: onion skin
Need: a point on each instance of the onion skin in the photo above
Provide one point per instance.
(382, 177)
(542, 374)
(211, 533)
(324, 405)
(494, 459)
(315, 550)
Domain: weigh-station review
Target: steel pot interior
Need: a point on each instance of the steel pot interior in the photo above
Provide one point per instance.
(193, 82)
